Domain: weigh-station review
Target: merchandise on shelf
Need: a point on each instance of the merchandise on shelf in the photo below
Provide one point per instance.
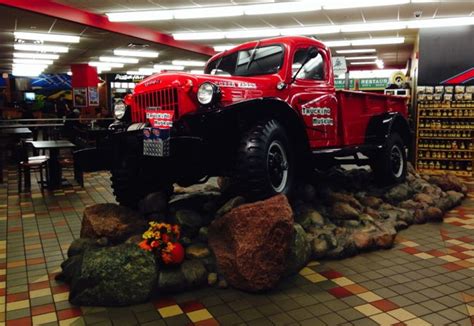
(445, 129)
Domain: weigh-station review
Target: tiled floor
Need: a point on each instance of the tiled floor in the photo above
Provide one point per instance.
(427, 278)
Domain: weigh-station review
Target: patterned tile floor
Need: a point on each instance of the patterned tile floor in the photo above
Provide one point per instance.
(427, 278)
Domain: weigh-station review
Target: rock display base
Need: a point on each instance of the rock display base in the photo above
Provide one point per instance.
(250, 246)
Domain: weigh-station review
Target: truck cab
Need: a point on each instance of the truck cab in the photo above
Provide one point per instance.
(265, 113)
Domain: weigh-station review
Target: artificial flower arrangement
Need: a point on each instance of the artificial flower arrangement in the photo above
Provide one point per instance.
(162, 240)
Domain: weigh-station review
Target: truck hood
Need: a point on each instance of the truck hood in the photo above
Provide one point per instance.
(233, 88)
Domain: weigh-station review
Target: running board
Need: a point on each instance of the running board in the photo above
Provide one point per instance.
(346, 151)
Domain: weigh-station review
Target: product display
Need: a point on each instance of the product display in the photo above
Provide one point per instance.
(445, 130)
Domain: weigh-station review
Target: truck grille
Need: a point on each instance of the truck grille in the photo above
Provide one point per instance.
(164, 99)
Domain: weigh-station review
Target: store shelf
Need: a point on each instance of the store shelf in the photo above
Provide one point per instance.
(445, 150)
(446, 138)
(444, 159)
(437, 172)
(431, 114)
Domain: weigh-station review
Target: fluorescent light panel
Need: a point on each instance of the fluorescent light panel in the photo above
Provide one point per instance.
(60, 38)
(188, 63)
(29, 55)
(33, 61)
(220, 48)
(119, 59)
(29, 66)
(26, 73)
(325, 29)
(136, 53)
(251, 10)
(135, 72)
(208, 12)
(106, 64)
(362, 58)
(350, 51)
(41, 48)
(196, 72)
(347, 4)
(359, 63)
(147, 71)
(167, 67)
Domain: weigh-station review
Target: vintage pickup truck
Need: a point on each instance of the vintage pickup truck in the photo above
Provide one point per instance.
(265, 113)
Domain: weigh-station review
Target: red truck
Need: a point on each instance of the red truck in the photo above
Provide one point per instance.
(265, 113)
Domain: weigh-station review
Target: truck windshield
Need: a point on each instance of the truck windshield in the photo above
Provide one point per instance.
(266, 60)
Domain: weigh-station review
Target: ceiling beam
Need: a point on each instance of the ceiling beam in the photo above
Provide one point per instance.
(68, 13)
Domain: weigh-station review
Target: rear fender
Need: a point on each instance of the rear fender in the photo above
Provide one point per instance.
(381, 126)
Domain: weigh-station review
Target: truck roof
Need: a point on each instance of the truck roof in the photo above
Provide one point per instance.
(289, 40)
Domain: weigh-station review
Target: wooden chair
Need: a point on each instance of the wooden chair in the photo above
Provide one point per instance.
(26, 164)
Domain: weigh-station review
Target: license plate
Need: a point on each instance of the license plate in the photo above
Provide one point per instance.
(156, 142)
(156, 139)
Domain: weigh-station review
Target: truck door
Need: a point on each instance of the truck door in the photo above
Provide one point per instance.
(314, 97)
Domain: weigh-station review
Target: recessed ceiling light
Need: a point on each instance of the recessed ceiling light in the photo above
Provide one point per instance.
(119, 59)
(47, 37)
(29, 55)
(136, 53)
(41, 48)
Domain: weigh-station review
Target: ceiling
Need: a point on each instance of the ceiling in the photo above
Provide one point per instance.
(95, 42)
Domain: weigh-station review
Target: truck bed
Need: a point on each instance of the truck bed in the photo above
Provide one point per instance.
(357, 108)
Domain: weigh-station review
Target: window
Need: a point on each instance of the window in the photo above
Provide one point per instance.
(312, 70)
(266, 60)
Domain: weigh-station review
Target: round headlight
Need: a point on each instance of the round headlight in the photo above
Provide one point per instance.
(206, 93)
(119, 110)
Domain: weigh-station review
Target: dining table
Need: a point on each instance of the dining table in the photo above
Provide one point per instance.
(54, 167)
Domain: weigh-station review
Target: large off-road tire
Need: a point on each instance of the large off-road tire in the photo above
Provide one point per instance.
(129, 184)
(265, 161)
(389, 164)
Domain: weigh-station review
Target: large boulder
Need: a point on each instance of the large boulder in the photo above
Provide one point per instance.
(114, 276)
(116, 223)
(300, 251)
(251, 243)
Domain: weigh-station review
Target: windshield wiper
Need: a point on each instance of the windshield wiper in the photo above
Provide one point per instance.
(252, 56)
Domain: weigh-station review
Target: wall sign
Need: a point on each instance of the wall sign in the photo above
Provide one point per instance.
(80, 97)
(93, 96)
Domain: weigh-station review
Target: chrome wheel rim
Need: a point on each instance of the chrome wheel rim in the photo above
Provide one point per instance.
(277, 165)
(396, 159)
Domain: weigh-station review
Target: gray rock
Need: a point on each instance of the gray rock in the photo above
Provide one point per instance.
(70, 268)
(344, 211)
(230, 205)
(114, 276)
(171, 280)
(194, 272)
(195, 200)
(398, 193)
(78, 246)
(197, 250)
(320, 246)
(154, 203)
(190, 222)
(300, 251)
(203, 233)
